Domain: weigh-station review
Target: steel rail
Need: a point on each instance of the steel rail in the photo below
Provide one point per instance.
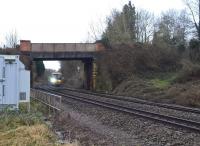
(182, 123)
(136, 100)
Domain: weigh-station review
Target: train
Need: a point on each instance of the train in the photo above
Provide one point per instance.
(56, 79)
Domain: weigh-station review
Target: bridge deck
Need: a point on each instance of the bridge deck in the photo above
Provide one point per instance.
(63, 47)
(27, 46)
(62, 55)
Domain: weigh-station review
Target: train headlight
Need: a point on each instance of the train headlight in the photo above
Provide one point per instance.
(53, 80)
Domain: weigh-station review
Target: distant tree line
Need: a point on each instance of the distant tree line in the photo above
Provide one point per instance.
(173, 29)
(142, 43)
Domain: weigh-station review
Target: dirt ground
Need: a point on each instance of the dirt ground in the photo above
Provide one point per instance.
(72, 131)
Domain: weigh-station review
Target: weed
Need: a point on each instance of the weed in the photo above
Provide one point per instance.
(19, 128)
(160, 84)
(164, 80)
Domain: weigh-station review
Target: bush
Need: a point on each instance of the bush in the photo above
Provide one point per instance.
(11, 120)
(194, 51)
(188, 71)
(125, 60)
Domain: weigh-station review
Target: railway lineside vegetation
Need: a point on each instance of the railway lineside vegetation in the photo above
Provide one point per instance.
(150, 56)
(20, 128)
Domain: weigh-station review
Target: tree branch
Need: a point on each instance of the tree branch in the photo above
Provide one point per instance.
(193, 17)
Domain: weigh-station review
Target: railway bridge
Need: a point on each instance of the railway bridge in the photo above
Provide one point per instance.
(86, 52)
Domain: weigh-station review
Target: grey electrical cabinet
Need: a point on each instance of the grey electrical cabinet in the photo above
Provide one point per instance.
(12, 82)
(24, 84)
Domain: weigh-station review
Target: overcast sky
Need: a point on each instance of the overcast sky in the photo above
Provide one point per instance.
(64, 20)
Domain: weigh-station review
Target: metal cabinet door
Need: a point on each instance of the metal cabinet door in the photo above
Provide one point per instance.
(2, 79)
(11, 83)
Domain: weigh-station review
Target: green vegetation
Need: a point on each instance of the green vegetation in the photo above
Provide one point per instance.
(13, 120)
(26, 129)
(155, 58)
(40, 68)
(160, 84)
(163, 80)
(37, 107)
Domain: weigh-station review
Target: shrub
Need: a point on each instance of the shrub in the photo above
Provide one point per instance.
(188, 71)
(124, 60)
(194, 51)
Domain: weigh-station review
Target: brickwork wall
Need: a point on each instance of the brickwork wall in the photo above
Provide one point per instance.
(25, 45)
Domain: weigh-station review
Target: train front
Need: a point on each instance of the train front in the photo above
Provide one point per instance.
(56, 79)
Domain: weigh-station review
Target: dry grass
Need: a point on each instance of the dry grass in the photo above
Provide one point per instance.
(27, 135)
(26, 129)
(186, 94)
(188, 72)
(37, 135)
(162, 90)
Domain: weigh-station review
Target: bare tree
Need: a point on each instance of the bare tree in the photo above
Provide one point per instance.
(96, 30)
(194, 8)
(144, 26)
(11, 39)
(172, 29)
(177, 22)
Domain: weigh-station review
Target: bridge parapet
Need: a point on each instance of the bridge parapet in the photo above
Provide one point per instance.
(27, 46)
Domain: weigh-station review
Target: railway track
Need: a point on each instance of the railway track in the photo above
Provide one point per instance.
(136, 100)
(165, 119)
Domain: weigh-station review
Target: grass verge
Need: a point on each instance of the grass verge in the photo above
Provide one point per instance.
(26, 129)
(160, 84)
(163, 81)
